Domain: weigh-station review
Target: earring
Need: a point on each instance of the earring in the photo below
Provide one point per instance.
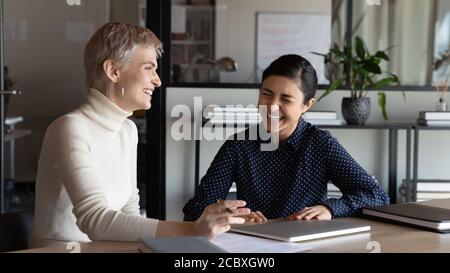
(123, 91)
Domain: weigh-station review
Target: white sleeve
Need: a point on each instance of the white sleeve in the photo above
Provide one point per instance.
(81, 180)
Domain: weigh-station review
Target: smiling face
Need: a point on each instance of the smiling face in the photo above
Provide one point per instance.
(139, 79)
(284, 103)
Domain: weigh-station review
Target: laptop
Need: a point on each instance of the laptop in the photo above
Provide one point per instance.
(301, 230)
(418, 215)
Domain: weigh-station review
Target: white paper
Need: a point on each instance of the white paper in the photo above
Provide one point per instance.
(237, 243)
(293, 33)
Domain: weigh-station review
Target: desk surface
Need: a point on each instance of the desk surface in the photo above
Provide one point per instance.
(391, 238)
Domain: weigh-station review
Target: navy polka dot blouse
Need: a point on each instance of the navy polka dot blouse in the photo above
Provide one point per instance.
(281, 182)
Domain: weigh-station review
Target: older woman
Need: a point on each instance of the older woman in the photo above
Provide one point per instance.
(86, 183)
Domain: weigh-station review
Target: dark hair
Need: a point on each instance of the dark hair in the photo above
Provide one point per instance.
(295, 67)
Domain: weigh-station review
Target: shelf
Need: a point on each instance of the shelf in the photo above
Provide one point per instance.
(185, 65)
(380, 125)
(193, 35)
(197, 7)
(190, 42)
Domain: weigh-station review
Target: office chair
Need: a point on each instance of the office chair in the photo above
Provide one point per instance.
(15, 230)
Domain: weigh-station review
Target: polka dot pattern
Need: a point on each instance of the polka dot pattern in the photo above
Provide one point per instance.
(281, 182)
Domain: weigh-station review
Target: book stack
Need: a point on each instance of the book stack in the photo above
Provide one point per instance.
(322, 118)
(231, 115)
(434, 118)
(333, 191)
(430, 216)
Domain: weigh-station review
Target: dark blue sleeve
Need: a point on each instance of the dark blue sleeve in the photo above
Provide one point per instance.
(217, 182)
(358, 188)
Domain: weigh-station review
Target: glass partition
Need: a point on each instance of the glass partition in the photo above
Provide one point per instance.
(232, 41)
(44, 43)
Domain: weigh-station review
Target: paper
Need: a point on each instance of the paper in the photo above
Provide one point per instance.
(237, 243)
(293, 33)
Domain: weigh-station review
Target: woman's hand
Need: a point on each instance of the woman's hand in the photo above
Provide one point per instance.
(319, 212)
(255, 217)
(217, 218)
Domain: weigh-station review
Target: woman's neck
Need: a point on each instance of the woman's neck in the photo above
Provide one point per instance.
(110, 91)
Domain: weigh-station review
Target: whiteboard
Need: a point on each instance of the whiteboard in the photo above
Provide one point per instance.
(292, 33)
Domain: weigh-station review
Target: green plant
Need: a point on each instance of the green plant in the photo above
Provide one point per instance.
(441, 65)
(442, 59)
(361, 68)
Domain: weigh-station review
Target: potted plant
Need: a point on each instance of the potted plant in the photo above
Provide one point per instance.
(441, 67)
(363, 71)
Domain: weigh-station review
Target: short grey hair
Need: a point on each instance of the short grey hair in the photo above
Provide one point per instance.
(116, 41)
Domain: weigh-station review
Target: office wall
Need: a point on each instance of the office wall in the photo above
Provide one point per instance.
(125, 12)
(368, 147)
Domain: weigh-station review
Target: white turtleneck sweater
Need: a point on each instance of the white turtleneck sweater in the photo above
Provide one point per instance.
(86, 182)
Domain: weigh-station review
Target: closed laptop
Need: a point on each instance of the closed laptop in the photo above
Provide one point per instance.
(297, 231)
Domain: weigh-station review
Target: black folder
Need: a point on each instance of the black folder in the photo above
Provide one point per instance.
(413, 214)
